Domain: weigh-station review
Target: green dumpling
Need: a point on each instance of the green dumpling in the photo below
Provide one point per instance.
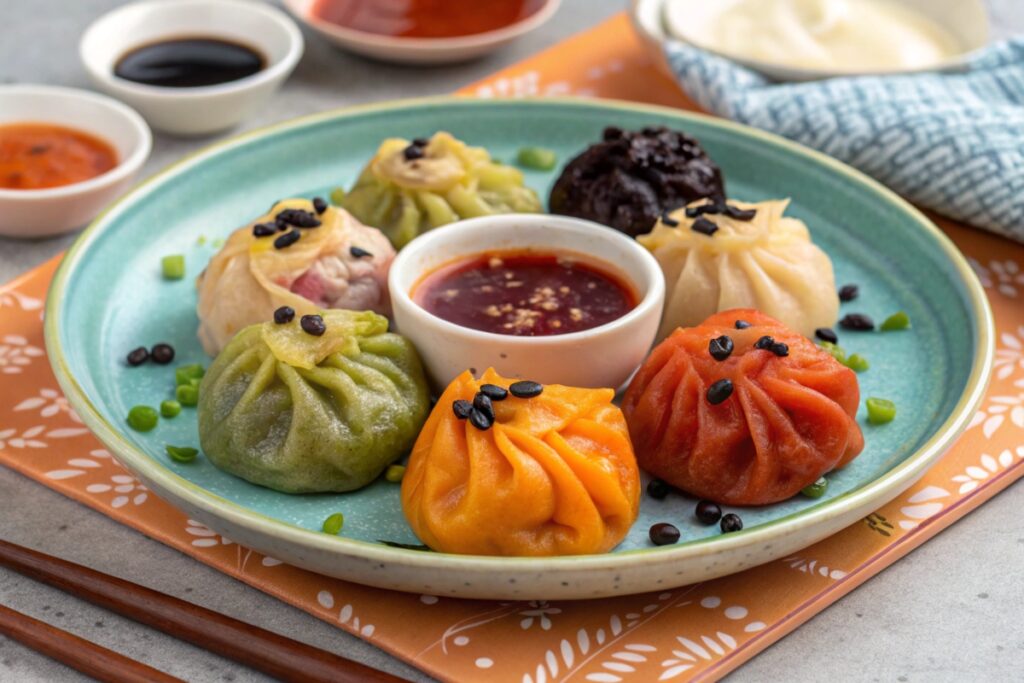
(300, 413)
(409, 188)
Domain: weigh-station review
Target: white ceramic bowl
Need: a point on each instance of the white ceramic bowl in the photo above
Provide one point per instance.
(419, 50)
(603, 356)
(966, 20)
(56, 210)
(201, 110)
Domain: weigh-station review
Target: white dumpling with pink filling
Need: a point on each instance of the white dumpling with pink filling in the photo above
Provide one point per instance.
(339, 263)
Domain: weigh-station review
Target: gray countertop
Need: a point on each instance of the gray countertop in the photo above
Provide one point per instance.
(950, 611)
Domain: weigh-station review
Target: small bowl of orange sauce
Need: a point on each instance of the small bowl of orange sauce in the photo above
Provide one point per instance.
(423, 31)
(64, 155)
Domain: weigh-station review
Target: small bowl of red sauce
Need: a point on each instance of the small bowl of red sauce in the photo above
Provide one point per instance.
(548, 298)
(423, 31)
(64, 155)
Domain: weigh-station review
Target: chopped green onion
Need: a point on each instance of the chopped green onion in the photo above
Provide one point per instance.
(856, 362)
(817, 489)
(186, 373)
(537, 158)
(182, 453)
(170, 408)
(835, 351)
(187, 395)
(217, 243)
(394, 473)
(173, 266)
(333, 524)
(896, 321)
(202, 240)
(880, 410)
(142, 418)
(337, 196)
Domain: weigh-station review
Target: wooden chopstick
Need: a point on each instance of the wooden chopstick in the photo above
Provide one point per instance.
(273, 654)
(78, 653)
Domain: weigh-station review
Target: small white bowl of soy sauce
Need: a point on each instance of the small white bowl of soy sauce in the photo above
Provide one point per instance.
(192, 67)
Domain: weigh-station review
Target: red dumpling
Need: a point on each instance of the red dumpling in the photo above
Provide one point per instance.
(789, 418)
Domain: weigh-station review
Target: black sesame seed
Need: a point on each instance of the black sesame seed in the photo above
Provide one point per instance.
(281, 225)
(479, 420)
(284, 315)
(708, 512)
(413, 152)
(848, 292)
(264, 230)
(313, 324)
(704, 226)
(764, 342)
(162, 353)
(299, 218)
(288, 239)
(668, 220)
(779, 349)
(483, 405)
(421, 142)
(462, 408)
(651, 131)
(742, 324)
(827, 334)
(359, 252)
(719, 391)
(709, 209)
(138, 356)
(720, 348)
(612, 133)
(731, 522)
(663, 533)
(739, 214)
(494, 392)
(658, 489)
(525, 389)
(857, 321)
(319, 205)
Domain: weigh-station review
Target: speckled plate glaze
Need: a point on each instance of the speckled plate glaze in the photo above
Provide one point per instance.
(109, 297)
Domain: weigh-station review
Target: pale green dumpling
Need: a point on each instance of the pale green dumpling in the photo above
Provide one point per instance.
(300, 413)
(409, 188)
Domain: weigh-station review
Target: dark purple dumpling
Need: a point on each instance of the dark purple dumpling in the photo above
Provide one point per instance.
(628, 179)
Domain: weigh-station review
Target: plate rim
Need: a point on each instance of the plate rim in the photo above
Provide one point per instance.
(143, 465)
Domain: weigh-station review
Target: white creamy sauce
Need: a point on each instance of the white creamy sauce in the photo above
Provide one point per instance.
(837, 35)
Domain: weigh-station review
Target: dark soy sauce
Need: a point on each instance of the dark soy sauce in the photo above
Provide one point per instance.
(189, 63)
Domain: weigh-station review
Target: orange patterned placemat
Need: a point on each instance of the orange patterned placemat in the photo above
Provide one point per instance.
(698, 632)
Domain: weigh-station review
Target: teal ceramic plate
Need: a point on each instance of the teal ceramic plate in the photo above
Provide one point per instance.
(109, 297)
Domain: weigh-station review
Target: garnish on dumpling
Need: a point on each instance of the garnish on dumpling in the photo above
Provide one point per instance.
(717, 256)
(629, 178)
(507, 467)
(410, 187)
(302, 254)
(323, 402)
(742, 410)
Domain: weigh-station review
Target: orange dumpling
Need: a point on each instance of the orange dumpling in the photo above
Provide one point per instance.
(554, 475)
(789, 419)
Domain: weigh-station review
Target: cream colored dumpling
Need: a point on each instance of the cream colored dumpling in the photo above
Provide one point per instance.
(768, 263)
(339, 264)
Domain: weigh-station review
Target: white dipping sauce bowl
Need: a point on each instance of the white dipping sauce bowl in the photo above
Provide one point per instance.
(56, 210)
(603, 356)
(204, 109)
(966, 20)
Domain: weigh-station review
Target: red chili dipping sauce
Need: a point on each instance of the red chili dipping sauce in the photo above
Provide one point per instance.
(425, 18)
(34, 156)
(524, 294)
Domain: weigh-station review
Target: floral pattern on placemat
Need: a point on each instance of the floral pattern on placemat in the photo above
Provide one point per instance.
(699, 631)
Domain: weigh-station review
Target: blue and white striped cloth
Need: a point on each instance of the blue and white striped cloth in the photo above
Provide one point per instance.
(950, 142)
